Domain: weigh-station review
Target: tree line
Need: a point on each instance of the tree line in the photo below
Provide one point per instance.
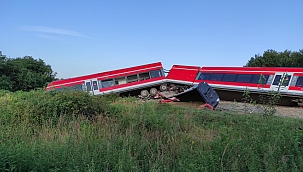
(24, 73)
(272, 58)
(27, 73)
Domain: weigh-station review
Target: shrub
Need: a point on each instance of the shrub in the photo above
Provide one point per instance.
(38, 105)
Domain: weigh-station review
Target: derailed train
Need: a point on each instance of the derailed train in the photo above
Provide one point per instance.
(231, 82)
(228, 82)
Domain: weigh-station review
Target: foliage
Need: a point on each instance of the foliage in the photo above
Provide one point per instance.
(246, 98)
(135, 135)
(36, 106)
(272, 58)
(24, 73)
(268, 103)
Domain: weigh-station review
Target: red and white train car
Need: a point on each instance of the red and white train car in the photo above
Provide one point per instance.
(143, 79)
(231, 82)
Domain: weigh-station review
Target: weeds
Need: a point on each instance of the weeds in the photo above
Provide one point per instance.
(116, 134)
(267, 100)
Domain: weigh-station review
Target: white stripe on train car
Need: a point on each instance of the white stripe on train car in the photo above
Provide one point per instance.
(133, 87)
(129, 72)
(179, 81)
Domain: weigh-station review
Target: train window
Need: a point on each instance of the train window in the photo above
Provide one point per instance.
(132, 78)
(155, 73)
(107, 83)
(76, 87)
(119, 81)
(59, 89)
(229, 77)
(95, 85)
(299, 81)
(259, 79)
(70, 88)
(143, 76)
(204, 76)
(216, 77)
(277, 80)
(88, 86)
(243, 78)
(287, 79)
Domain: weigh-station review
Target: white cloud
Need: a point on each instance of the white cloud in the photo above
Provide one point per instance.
(50, 30)
(50, 37)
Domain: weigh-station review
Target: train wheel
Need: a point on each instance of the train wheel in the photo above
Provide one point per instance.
(153, 91)
(144, 93)
(163, 87)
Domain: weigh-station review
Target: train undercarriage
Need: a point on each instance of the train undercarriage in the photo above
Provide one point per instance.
(258, 97)
(167, 90)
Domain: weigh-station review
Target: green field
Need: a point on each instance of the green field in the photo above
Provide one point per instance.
(72, 131)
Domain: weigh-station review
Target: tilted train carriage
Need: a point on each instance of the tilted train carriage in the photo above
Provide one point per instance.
(143, 79)
(231, 82)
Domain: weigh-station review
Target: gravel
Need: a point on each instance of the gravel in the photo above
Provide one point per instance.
(245, 108)
(296, 112)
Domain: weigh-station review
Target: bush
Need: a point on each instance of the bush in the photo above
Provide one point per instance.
(38, 105)
(136, 135)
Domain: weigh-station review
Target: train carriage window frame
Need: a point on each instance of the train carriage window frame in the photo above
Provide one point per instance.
(120, 80)
(299, 82)
(95, 85)
(132, 78)
(287, 81)
(144, 76)
(156, 73)
(216, 77)
(107, 83)
(277, 80)
(204, 76)
(256, 79)
(229, 77)
(244, 78)
(88, 86)
(76, 87)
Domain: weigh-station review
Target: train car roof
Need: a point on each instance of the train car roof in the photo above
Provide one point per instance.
(185, 67)
(265, 69)
(107, 73)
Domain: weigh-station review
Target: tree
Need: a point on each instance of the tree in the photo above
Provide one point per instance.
(272, 58)
(24, 73)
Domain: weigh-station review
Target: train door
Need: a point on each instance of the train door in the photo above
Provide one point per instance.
(92, 86)
(281, 81)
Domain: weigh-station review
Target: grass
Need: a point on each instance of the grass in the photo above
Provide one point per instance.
(71, 131)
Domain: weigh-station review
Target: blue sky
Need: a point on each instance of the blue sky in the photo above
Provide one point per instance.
(84, 37)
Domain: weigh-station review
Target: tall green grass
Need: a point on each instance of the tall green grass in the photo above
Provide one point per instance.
(72, 131)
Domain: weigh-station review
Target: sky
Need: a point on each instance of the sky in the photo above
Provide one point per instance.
(83, 37)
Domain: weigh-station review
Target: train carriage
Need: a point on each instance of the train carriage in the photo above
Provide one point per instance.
(231, 82)
(144, 79)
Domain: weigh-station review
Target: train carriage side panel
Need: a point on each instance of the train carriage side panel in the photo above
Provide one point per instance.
(92, 83)
(183, 74)
(287, 81)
